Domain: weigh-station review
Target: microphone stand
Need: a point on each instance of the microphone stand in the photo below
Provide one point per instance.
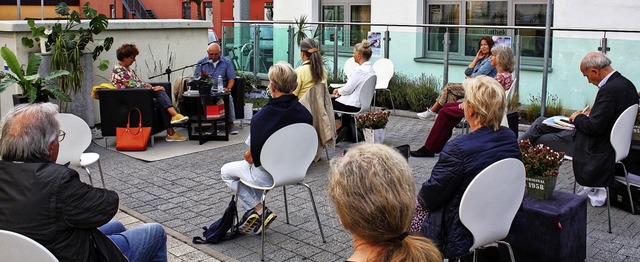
(168, 71)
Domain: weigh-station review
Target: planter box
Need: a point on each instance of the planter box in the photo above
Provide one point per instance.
(540, 187)
(374, 135)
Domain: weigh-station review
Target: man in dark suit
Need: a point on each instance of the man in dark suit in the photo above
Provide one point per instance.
(592, 127)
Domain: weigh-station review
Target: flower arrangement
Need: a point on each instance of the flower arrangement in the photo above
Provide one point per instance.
(540, 160)
(373, 120)
(202, 82)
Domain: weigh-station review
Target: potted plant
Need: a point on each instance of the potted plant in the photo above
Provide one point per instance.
(69, 41)
(541, 164)
(373, 125)
(34, 88)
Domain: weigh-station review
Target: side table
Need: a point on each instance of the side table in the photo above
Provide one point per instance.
(195, 108)
(555, 230)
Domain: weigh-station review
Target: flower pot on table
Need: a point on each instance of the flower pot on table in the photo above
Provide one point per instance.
(540, 187)
(374, 135)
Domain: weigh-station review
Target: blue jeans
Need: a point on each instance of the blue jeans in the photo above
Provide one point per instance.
(147, 242)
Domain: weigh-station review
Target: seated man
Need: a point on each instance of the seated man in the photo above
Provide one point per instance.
(48, 203)
(215, 65)
(281, 110)
(593, 155)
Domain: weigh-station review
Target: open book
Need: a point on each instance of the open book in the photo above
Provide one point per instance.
(560, 122)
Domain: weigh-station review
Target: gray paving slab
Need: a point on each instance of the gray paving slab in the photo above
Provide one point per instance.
(185, 193)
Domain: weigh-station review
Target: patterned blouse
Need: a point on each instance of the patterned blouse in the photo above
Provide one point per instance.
(505, 79)
(123, 77)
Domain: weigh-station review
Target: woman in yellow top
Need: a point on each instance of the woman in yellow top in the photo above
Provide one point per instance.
(312, 69)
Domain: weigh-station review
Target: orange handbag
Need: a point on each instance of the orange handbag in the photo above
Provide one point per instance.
(132, 139)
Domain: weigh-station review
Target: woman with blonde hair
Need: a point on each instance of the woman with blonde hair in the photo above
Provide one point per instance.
(348, 96)
(460, 162)
(374, 193)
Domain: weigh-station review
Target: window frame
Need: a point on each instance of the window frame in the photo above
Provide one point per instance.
(346, 30)
(459, 56)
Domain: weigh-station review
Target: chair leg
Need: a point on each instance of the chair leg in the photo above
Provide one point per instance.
(286, 206)
(101, 177)
(89, 174)
(626, 178)
(355, 121)
(264, 207)
(510, 250)
(315, 210)
(326, 151)
(391, 98)
(609, 209)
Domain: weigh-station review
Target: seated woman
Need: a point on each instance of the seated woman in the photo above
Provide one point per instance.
(372, 186)
(452, 113)
(312, 69)
(462, 159)
(124, 76)
(348, 96)
(452, 92)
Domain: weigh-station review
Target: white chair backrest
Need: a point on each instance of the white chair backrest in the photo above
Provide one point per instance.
(15, 247)
(350, 66)
(76, 140)
(621, 132)
(384, 71)
(507, 96)
(491, 201)
(366, 93)
(288, 152)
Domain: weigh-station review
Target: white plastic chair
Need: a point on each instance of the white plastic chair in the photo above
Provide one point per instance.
(76, 141)
(286, 155)
(349, 67)
(15, 247)
(366, 94)
(490, 202)
(384, 71)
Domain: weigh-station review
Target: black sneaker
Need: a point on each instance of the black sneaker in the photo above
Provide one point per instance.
(250, 222)
(422, 152)
(270, 217)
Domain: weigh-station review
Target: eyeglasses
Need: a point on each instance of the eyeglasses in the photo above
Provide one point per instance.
(61, 136)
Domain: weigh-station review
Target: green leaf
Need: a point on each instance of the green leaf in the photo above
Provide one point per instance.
(7, 81)
(104, 65)
(88, 11)
(34, 63)
(62, 9)
(55, 74)
(28, 42)
(11, 60)
(62, 96)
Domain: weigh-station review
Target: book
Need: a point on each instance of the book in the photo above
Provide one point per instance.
(560, 122)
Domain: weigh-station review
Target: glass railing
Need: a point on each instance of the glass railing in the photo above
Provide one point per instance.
(415, 50)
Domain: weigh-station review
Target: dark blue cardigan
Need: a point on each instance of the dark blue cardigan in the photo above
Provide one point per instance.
(277, 113)
(460, 161)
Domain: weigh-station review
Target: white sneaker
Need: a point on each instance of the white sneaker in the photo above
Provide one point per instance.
(427, 115)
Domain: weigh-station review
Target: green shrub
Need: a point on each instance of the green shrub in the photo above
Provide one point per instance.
(423, 94)
(553, 108)
(409, 93)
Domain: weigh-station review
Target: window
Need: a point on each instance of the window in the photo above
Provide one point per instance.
(186, 10)
(356, 11)
(464, 42)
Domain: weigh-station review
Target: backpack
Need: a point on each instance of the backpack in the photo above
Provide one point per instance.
(217, 232)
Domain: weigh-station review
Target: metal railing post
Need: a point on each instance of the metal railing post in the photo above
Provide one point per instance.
(386, 43)
(335, 51)
(445, 58)
(256, 42)
(223, 42)
(603, 44)
(516, 69)
(290, 44)
(547, 50)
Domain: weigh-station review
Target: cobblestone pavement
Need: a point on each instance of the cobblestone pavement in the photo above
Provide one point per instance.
(185, 193)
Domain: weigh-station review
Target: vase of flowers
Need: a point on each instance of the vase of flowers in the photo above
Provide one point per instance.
(202, 82)
(373, 125)
(541, 164)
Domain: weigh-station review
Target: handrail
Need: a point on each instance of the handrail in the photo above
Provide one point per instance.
(138, 7)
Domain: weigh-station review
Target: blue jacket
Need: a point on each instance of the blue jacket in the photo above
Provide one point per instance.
(483, 67)
(277, 113)
(460, 161)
